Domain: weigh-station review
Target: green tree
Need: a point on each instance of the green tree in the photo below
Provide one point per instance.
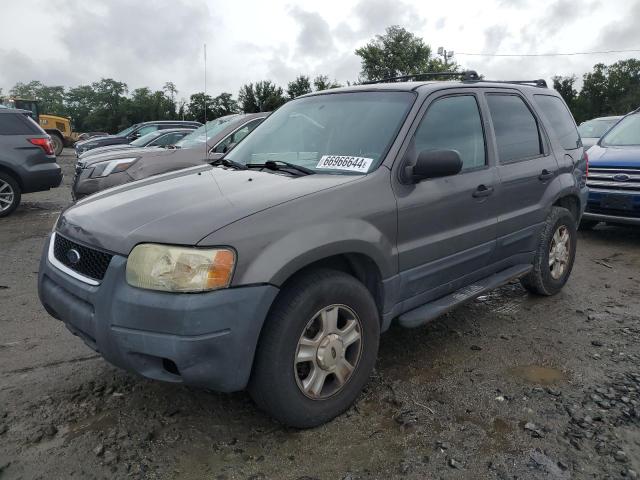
(300, 86)
(224, 104)
(197, 104)
(264, 96)
(398, 52)
(51, 99)
(322, 82)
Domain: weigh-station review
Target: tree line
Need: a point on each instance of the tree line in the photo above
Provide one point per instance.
(108, 105)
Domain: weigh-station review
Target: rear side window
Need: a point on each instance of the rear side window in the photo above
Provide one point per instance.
(516, 129)
(18, 124)
(453, 123)
(560, 119)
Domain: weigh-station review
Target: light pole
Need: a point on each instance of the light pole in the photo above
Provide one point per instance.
(447, 54)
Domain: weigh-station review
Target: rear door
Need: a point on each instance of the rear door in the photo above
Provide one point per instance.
(447, 226)
(526, 167)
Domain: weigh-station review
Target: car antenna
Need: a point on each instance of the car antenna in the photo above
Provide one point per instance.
(206, 153)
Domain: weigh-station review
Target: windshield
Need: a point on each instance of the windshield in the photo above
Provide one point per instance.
(143, 140)
(596, 128)
(196, 138)
(627, 132)
(332, 133)
(126, 131)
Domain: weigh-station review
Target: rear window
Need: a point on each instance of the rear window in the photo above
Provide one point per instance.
(560, 119)
(18, 124)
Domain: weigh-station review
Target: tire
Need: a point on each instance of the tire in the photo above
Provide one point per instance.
(277, 383)
(546, 278)
(587, 224)
(58, 144)
(9, 194)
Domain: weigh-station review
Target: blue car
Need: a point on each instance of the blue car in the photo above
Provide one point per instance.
(614, 175)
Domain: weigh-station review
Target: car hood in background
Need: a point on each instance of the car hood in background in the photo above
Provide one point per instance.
(624, 157)
(95, 142)
(159, 153)
(119, 153)
(108, 148)
(182, 207)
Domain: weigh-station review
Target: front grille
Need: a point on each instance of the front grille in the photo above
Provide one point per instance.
(92, 263)
(622, 179)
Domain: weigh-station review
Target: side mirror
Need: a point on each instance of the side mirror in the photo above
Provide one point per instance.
(134, 135)
(434, 164)
(215, 155)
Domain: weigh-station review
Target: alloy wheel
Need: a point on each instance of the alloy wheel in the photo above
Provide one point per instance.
(7, 195)
(559, 252)
(328, 352)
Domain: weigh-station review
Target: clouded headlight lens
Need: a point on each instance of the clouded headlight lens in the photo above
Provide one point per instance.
(179, 269)
(103, 169)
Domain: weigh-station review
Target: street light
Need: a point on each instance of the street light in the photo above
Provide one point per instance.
(447, 54)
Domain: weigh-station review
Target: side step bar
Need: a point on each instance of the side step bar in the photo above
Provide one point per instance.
(430, 311)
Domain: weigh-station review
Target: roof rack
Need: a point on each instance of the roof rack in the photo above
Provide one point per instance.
(466, 75)
(540, 83)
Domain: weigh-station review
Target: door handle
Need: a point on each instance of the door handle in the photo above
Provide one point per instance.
(545, 175)
(483, 191)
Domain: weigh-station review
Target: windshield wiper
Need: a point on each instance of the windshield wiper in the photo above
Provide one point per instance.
(281, 165)
(228, 163)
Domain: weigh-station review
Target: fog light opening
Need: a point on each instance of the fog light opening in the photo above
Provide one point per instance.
(170, 366)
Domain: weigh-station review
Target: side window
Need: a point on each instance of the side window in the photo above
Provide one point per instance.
(237, 136)
(167, 139)
(516, 129)
(561, 120)
(454, 123)
(147, 129)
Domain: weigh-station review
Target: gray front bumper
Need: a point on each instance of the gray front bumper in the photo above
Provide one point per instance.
(210, 337)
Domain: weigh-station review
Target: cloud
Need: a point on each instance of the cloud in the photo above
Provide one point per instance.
(314, 38)
(493, 37)
(622, 34)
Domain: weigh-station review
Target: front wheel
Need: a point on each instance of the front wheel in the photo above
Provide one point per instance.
(555, 255)
(58, 144)
(317, 349)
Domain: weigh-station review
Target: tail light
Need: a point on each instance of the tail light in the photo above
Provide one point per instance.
(44, 143)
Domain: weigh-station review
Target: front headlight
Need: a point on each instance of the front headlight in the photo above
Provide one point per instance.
(179, 269)
(103, 169)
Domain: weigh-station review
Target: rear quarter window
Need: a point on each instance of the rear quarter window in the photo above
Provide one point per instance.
(18, 124)
(561, 120)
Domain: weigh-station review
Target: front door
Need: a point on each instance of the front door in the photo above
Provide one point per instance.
(447, 226)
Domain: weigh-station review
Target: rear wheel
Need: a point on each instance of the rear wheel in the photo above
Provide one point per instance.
(58, 144)
(317, 349)
(9, 194)
(554, 257)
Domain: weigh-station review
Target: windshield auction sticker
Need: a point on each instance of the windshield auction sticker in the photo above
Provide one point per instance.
(345, 162)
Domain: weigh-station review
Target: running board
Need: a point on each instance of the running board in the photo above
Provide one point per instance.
(430, 311)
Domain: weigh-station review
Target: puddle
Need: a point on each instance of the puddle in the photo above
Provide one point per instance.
(538, 374)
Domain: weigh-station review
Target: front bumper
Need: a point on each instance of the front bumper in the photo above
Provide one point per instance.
(206, 339)
(626, 210)
(84, 185)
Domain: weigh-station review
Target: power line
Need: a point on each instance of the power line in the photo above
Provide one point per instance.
(545, 54)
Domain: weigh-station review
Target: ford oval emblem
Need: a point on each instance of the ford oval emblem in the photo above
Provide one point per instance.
(621, 177)
(73, 256)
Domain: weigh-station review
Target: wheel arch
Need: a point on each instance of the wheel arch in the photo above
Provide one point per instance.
(571, 202)
(12, 174)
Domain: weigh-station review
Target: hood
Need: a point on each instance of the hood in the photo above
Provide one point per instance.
(182, 207)
(623, 157)
(103, 141)
(114, 153)
(109, 148)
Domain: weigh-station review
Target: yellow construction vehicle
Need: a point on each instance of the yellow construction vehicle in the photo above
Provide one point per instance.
(58, 128)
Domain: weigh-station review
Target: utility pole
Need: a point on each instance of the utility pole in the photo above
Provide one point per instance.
(446, 54)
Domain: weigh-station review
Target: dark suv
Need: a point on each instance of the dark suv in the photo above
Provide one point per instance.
(130, 134)
(278, 266)
(27, 160)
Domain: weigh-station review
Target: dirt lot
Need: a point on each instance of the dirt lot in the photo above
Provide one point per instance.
(510, 386)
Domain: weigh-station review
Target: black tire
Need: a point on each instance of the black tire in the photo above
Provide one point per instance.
(274, 379)
(588, 224)
(540, 280)
(58, 144)
(10, 191)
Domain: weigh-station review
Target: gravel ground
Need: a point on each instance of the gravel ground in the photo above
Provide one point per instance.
(509, 386)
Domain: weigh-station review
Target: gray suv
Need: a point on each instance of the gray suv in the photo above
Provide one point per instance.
(276, 267)
(27, 159)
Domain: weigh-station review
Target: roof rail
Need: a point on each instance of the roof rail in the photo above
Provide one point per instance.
(540, 83)
(465, 75)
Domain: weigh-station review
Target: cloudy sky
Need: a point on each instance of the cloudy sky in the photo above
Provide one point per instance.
(149, 42)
